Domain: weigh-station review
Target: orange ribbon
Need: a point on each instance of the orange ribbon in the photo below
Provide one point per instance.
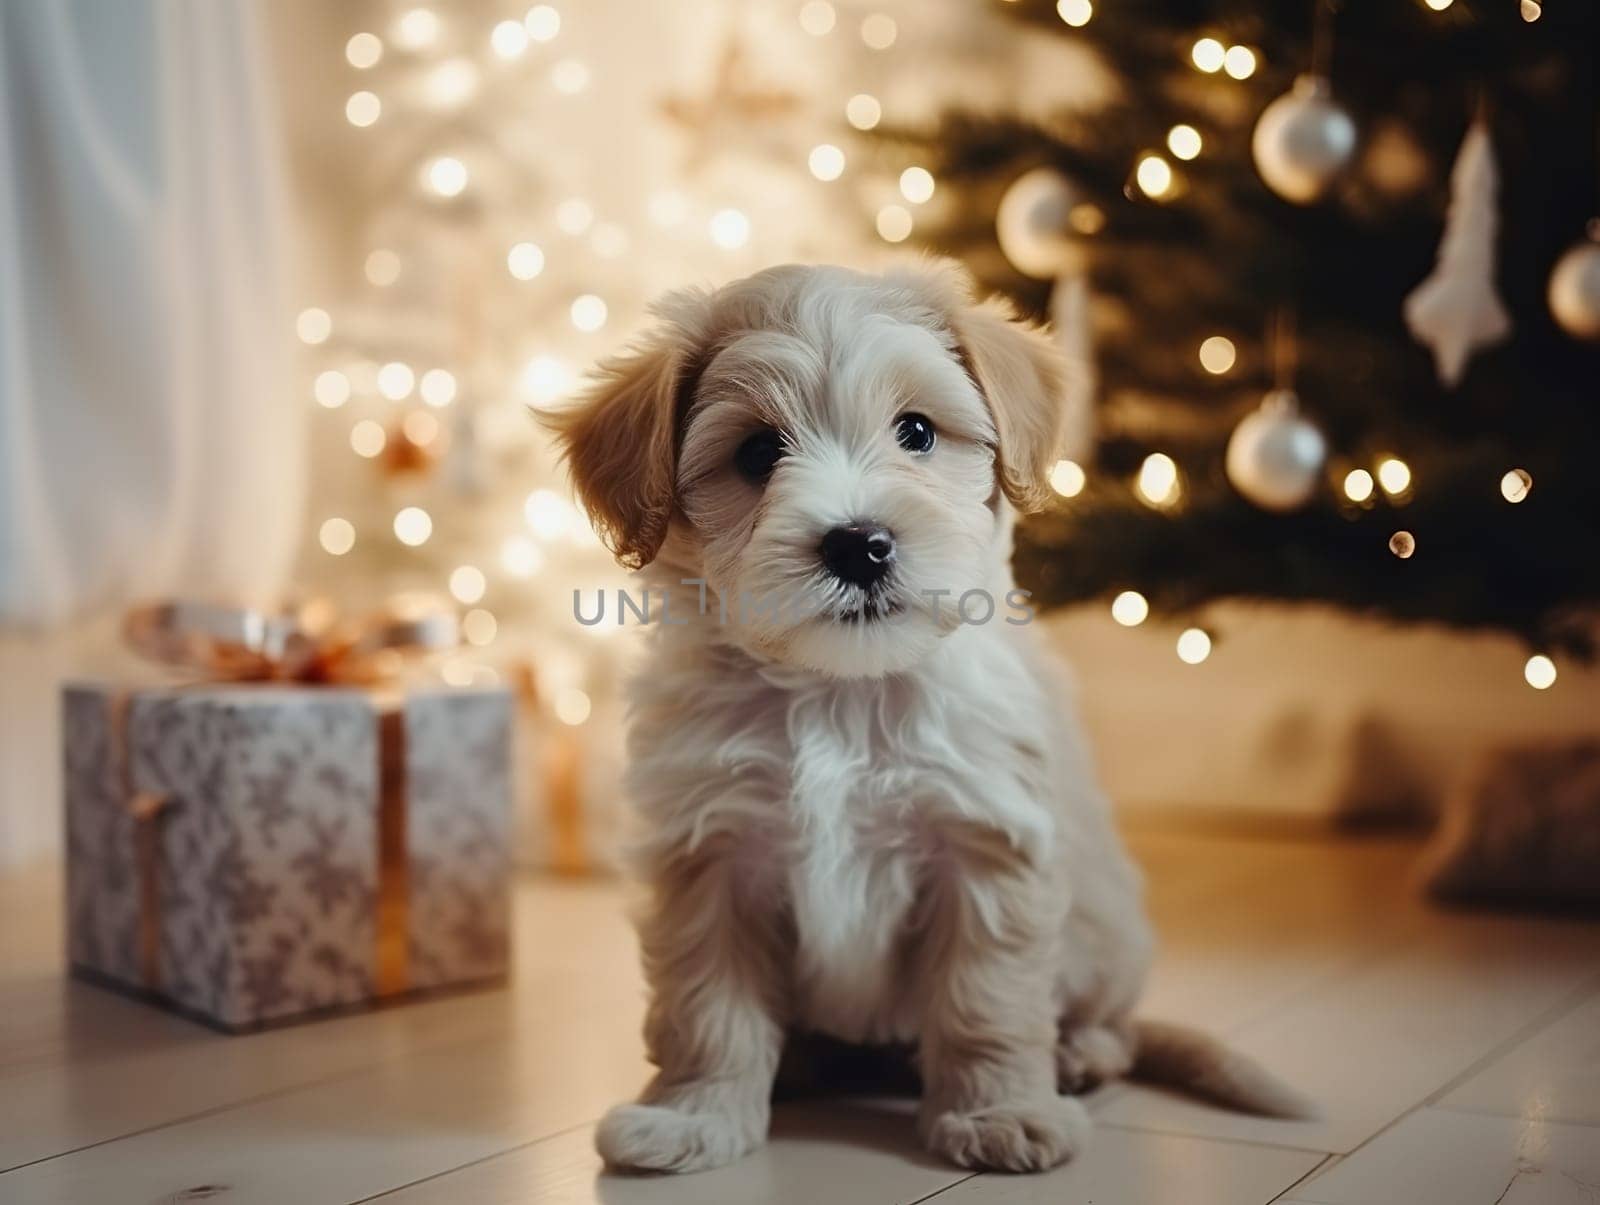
(391, 970)
(232, 644)
(144, 807)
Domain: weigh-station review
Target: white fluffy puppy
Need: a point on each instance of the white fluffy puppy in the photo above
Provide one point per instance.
(867, 810)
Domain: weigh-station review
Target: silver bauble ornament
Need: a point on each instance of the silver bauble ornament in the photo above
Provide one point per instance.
(1302, 141)
(1035, 225)
(1275, 455)
(1575, 287)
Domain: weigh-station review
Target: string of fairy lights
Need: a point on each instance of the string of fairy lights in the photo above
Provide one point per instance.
(430, 393)
(1159, 483)
(544, 378)
(1156, 175)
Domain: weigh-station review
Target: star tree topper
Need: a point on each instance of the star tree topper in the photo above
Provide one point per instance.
(735, 108)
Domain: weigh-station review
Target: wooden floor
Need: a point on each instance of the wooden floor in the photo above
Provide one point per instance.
(1457, 1058)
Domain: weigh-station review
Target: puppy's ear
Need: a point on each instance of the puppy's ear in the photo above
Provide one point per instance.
(620, 441)
(1020, 374)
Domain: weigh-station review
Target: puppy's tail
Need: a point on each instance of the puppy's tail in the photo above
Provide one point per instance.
(1197, 1063)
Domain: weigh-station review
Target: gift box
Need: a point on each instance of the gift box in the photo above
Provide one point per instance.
(246, 853)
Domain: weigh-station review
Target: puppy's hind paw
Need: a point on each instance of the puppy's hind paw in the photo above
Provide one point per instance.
(1089, 1057)
(1011, 1138)
(655, 1138)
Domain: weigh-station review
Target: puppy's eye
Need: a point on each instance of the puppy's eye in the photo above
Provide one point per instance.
(914, 433)
(759, 454)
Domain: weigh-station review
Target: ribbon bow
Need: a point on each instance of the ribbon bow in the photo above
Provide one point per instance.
(307, 645)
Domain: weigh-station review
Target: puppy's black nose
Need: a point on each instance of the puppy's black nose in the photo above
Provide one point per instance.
(858, 554)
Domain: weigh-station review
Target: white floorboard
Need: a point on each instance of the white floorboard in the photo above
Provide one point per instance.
(1555, 1074)
(844, 1154)
(1136, 1167)
(1438, 1157)
(1380, 1039)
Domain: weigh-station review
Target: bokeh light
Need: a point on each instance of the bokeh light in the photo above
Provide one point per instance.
(544, 379)
(730, 229)
(447, 176)
(1394, 475)
(417, 28)
(1540, 672)
(437, 387)
(362, 109)
(467, 583)
(817, 18)
(879, 31)
(396, 380)
(1184, 141)
(863, 111)
(452, 83)
(588, 312)
(367, 438)
(1154, 176)
(1067, 478)
(1075, 12)
(479, 627)
(1158, 480)
(1130, 608)
(543, 23)
(894, 223)
(1515, 485)
(1208, 55)
(509, 39)
(1239, 62)
(572, 706)
(313, 326)
(826, 161)
(331, 389)
(1194, 646)
(413, 526)
(1217, 354)
(916, 185)
(337, 536)
(363, 50)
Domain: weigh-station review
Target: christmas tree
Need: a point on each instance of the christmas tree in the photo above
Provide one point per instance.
(1235, 232)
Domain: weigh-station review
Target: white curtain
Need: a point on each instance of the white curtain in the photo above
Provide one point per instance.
(148, 444)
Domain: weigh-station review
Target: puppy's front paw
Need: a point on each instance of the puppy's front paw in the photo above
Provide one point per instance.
(1011, 1138)
(661, 1139)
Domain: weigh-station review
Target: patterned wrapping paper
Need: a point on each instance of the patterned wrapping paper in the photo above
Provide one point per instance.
(271, 897)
